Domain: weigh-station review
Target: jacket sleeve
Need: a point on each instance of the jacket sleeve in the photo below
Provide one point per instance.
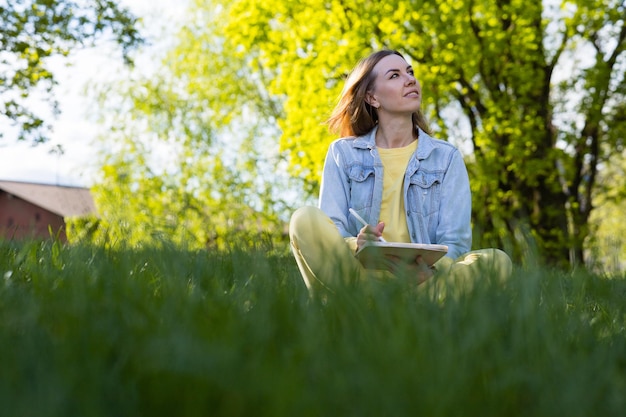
(334, 196)
(454, 227)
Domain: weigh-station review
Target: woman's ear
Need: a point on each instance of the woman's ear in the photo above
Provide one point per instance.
(371, 100)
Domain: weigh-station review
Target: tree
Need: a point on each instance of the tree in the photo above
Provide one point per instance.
(189, 158)
(538, 87)
(31, 31)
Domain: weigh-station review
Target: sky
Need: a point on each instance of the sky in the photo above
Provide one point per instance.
(73, 130)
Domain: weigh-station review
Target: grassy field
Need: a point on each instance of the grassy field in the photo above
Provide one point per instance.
(89, 331)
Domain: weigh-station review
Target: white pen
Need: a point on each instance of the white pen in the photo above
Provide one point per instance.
(363, 222)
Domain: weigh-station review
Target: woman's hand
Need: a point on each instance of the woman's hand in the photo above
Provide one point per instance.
(418, 270)
(369, 233)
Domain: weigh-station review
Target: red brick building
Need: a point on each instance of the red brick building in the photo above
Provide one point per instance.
(29, 210)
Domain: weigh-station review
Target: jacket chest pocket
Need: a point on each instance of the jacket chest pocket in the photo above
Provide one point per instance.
(361, 186)
(424, 195)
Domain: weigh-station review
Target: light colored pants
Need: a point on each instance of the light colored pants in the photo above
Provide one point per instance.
(326, 261)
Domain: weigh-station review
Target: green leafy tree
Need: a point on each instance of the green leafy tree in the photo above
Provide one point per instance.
(535, 90)
(31, 31)
(189, 156)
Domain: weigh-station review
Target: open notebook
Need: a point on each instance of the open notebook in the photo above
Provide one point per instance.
(373, 254)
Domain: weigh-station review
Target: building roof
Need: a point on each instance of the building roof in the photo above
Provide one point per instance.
(61, 200)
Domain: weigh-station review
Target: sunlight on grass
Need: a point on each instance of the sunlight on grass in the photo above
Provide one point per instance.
(92, 331)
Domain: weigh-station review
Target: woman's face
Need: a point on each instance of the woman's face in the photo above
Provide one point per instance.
(395, 88)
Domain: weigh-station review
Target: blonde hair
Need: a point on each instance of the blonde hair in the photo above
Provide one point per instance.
(353, 116)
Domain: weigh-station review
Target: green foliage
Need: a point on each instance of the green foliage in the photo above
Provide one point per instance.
(190, 157)
(158, 211)
(88, 330)
(31, 31)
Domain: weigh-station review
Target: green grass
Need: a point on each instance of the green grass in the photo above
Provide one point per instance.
(89, 331)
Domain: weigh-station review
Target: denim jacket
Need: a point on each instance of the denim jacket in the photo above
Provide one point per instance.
(437, 194)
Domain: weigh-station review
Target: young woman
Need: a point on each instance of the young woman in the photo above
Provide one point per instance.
(408, 186)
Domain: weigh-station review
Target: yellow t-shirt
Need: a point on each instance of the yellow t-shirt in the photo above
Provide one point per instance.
(392, 213)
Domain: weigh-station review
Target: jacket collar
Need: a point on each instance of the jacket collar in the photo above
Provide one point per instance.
(424, 147)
